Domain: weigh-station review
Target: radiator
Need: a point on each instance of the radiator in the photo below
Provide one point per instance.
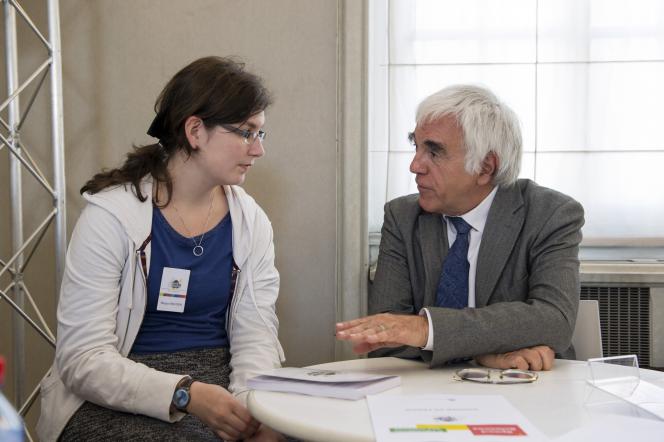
(624, 316)
(631, 309)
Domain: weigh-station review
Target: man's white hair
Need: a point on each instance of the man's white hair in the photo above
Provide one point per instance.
(488, 125)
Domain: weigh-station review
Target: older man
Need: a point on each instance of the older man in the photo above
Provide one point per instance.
(478, 263)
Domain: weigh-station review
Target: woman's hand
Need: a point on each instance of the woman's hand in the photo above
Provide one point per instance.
(266, 434)
(532, 358)
(219, 410)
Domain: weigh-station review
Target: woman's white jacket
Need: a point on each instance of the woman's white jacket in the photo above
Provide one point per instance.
(103, 299)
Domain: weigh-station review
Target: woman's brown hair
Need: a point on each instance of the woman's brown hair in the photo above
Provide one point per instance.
(217, 90)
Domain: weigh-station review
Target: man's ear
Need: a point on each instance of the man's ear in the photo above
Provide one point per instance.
(193, 129)
(488, 169)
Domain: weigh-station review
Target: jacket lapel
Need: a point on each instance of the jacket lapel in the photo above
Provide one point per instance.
(432, 237)
(501, 232)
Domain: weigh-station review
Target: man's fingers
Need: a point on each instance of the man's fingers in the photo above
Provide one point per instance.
(363, 329)
(365, 347)
(505, 360)
(362, 348)
(359, 323)
(350, 323)
(547, 355)
(517, 361)
(533, 357)
(370, 332)
(346, 329)
(538, 358)
(491, 361)
(358, 335)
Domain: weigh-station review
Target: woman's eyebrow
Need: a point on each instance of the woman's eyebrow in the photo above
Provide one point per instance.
(250, 125)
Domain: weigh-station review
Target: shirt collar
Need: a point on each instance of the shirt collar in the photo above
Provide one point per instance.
(477, 216)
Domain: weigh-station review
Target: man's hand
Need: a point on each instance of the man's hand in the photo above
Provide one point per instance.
(532, 358)
(384, 330)
(219, 410)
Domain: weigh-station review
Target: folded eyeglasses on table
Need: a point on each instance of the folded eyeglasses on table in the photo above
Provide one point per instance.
(493, 376)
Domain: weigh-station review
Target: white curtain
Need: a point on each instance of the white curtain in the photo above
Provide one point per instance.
(586, 78)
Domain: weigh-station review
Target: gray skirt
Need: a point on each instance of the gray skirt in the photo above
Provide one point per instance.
(95, 423)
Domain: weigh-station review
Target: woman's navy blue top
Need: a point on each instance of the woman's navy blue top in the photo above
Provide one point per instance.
(203, 322)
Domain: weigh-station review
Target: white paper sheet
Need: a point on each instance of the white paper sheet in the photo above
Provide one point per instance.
(322, 375)
(479, 418)
(328, 383)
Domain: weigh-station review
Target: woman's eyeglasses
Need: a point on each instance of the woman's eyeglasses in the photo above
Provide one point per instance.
(488, 376)
(247, 136)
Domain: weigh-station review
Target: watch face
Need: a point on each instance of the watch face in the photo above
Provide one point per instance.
(181, 398)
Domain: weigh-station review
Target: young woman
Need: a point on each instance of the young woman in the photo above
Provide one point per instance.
(167, 303)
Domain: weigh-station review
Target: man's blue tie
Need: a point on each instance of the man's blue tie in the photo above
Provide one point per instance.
(453, 284)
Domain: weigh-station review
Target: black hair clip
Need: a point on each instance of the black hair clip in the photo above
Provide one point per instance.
(156, 129)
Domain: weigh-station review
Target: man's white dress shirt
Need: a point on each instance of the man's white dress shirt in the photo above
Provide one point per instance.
(476, 218)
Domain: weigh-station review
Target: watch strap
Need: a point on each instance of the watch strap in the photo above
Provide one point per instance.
(183, 384)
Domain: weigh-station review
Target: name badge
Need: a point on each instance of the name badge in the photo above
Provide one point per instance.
(173, 290)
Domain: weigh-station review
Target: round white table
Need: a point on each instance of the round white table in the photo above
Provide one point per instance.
(556, 403)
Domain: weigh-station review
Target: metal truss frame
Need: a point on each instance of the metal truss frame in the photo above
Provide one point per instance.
(23, 249)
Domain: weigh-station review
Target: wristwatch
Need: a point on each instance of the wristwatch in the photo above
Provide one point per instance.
(182, 396)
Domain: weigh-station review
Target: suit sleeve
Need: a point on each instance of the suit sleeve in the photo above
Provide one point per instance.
(547, 314)
(391, 291)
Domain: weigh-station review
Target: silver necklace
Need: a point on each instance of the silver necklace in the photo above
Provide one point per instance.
(198, 248)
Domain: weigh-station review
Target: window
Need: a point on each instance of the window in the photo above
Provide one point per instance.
(585, 77)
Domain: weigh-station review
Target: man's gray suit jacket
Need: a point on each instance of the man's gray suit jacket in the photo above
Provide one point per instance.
(527, 277)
